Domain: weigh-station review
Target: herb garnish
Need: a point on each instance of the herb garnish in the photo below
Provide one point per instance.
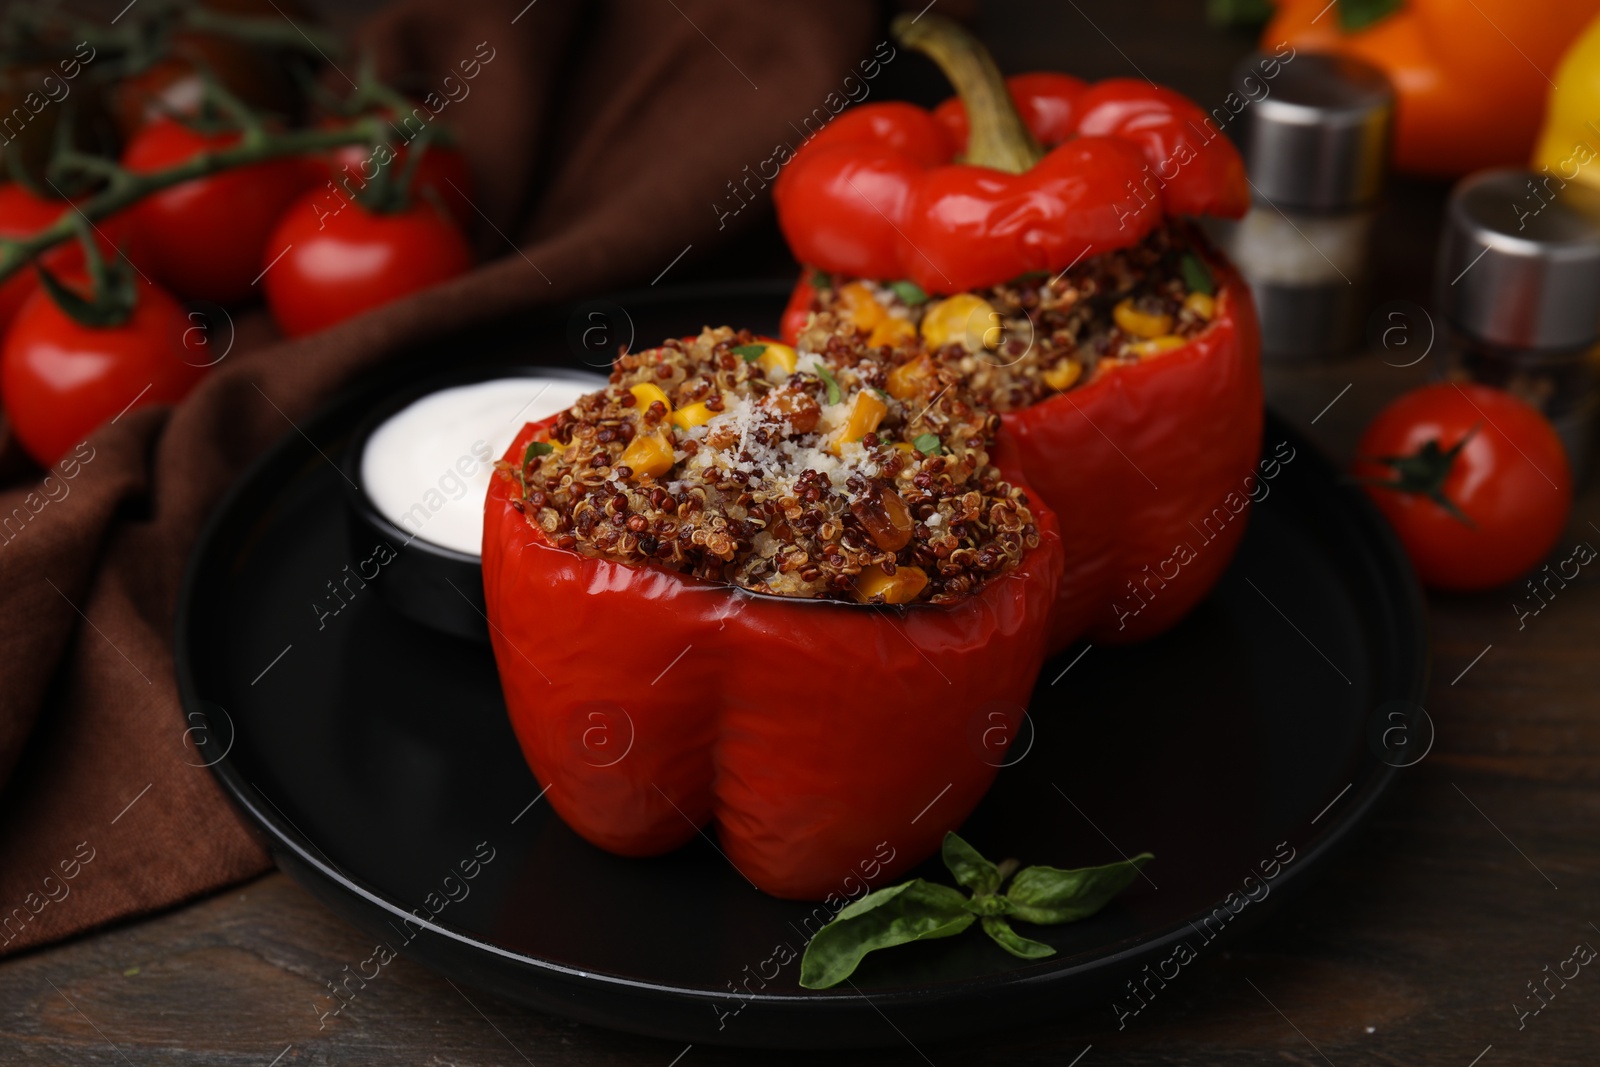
(749, 353)
(531, 453)
(920, 910)
(827, 376)
(910, 293)
(1196, 276)
(927, 444)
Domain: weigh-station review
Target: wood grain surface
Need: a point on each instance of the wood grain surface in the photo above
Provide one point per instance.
(1480, 873)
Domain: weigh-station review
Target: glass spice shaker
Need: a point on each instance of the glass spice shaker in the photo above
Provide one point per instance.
(1519, 289)
(1315, 140)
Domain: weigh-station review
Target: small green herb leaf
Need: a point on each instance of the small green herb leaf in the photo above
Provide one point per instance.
(826, 375)
(927, 444)
(530, 456)
(1359, 14)
(1052, 895)
(969, 867)
(912, 911)
(749, 353)
(1196, 276)
(910, 293)
(821, 279)
(1013, 942)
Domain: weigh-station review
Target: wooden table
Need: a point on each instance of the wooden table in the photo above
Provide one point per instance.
(1418, 949)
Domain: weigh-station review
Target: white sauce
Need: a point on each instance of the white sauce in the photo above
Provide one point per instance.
(426, 469)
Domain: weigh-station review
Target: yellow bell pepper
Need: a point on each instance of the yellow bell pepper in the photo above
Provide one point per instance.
(648, 453)
(901, 587)
(647, 393)
(1569, 145)
(865, 413)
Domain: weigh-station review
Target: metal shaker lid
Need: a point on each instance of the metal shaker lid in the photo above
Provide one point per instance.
(1316, 133)
(1519, 261)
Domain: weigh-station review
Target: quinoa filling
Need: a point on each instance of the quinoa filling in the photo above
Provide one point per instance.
(819, 472)
(1016, 344)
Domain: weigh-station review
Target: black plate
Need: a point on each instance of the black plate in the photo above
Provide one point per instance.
(376, 758)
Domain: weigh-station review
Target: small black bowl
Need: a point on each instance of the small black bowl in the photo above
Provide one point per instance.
(430, 584)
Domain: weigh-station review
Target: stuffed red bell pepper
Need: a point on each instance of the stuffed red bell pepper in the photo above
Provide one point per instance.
(743, 586)
(1119, 348)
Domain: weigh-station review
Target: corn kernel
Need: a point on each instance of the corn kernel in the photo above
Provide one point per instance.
(1157, 345)
(864, 310)
(866, 411)
(647, 393)
(692, 415)
(901, 587)
(1062, 376)
(649, 453)
(909, 379)
(1140, 323)
(778, 357)
(892, 332)
(963, 319)
(1201, 304)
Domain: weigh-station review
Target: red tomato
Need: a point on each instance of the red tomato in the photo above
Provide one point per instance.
(22, 215)
(344, 261)
(1476, 483)
(61, 379)
(204, 238)
(443, 170)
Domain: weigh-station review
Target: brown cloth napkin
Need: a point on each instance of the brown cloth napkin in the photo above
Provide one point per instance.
(599, 135)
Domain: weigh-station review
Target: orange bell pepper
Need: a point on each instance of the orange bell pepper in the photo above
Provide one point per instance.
(1470, 76)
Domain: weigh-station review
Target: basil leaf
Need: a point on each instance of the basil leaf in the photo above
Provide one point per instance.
(912, 911)
(910, 293)
(1196, 277)
(530, 454)
(1048, 895)
(749, 353)
(821, 279)
(1013, 942)
(1359, 14)
(970, 868)
(827, 376)
(927, 444)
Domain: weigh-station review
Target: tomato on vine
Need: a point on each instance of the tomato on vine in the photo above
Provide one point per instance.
(345, 258)
(84, 349)
(1474, 481)
(204, 238)
(23, 214)
(442, 172)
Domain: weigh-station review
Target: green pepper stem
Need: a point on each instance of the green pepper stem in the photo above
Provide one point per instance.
(996, 135)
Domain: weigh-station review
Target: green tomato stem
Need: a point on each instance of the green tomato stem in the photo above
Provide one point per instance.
(124, 188)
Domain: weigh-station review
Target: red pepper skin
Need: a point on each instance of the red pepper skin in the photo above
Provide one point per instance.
(812, 734)
(1188, 421)
(1046, 100)
(1199, 173)
(874, 194)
